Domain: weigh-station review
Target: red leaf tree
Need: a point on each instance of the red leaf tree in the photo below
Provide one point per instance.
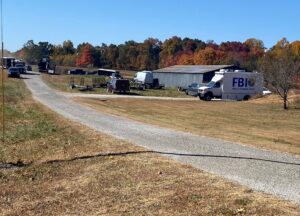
(85, 58)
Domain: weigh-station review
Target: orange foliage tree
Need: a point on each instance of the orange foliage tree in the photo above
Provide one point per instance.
(85, 58)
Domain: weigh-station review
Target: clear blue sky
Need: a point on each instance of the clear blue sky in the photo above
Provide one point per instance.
(117, 21)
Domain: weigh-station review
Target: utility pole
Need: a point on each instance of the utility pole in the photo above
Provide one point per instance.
(2, 76)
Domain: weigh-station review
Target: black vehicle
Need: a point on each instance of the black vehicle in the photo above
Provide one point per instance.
(108, 73)
(28, 68)
(118, 85)
(14, 72)
(8, 62)
(21, 68)
(193, 89)
(77, 72)
(45, 65)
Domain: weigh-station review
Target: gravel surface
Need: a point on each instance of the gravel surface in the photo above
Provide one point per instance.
(262, 170)
(103, 96)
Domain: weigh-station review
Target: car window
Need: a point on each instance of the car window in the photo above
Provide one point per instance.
(217, 85)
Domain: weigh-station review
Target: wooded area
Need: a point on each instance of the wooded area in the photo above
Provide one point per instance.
(152, 53)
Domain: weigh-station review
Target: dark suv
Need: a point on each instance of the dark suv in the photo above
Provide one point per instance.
(13, 72)
(21, 68)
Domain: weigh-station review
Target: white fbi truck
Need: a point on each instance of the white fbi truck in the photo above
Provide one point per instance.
(232, 85)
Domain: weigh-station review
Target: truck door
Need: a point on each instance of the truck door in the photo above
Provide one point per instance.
(217, 90)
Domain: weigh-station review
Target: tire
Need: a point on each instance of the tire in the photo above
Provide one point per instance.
(208, 96)
(246, 97)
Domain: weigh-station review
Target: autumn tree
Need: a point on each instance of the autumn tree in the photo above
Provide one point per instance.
(68, 47)
(85, 58)
(128, 54)
(29, 51)
(280, 66)
(206, 56)
(32, 52)
(148, 58)
(110, 55)
(256, 51)
(186, 58)
(170, 49)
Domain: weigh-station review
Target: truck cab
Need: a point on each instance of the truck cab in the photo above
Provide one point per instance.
(213, 89)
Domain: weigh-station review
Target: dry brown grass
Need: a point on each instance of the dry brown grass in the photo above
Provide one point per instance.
(261, 122)
(137, 183)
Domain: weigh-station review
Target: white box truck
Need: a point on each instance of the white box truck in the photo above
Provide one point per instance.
(235, 85)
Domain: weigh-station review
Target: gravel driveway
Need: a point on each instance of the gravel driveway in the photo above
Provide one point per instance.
(262, 170)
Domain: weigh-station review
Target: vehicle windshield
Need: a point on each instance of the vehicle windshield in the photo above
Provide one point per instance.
(210, 84)
(13, 70)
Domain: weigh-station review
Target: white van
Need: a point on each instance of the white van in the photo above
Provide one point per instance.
(236, 85)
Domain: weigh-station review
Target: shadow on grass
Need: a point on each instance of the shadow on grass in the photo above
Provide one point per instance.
(20, 164)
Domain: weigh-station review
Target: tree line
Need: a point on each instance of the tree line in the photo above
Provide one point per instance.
(148, 55)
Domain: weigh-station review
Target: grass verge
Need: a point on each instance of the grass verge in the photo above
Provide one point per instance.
(66, 177)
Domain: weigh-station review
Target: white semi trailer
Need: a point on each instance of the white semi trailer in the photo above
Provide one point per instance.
(236, 85)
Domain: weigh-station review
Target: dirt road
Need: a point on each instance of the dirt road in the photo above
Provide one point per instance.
(262, 170)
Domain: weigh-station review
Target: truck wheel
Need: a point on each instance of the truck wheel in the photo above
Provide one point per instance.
(246, 97)
(208, 96)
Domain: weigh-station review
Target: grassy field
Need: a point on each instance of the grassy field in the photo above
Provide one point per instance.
(261, 122)
(64, 168)
(61, 82)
